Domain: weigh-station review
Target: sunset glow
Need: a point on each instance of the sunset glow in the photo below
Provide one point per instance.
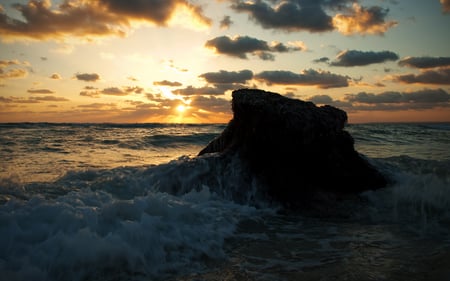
(179, 61)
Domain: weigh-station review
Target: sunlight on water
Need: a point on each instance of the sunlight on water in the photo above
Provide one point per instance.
(43, 153)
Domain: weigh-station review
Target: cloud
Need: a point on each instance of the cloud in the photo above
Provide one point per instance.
(226, 22)
(293, 15)
(49, 98)
(360, 58)
(193, 91)
(31, 100)
(40, 91)
(421, 96)
(87, 77)
(310, 77)
(12, 69)
(156, 11)
(18, 100)
(135, 89)
(322, 59)
(388, 101)
(425, 62)
(114, 91)
(55, 76)
(240, 46)
(41, 20)
(310, 15)
(212, 104)
(422, 99)
(228, 77)
(321, 99)
(167, 83)
(93, 92)
(327, 100)
(361, 20)
(439, 76)
(96, 106)
(445, 6)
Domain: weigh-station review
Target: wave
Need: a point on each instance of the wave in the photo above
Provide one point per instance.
(135, 222)
(166, 140)
(154, 222)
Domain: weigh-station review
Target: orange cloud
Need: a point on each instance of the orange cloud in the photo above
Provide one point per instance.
(6, 72)
(40, 20)
(361, 20)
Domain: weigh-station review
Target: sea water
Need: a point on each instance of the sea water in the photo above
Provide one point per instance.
(133, 202)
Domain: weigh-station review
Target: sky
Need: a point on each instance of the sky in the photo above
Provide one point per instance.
(178, 61)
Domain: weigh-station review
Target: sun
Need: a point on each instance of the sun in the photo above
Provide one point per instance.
(181, 108)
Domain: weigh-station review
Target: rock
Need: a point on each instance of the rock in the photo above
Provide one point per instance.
(294, 147)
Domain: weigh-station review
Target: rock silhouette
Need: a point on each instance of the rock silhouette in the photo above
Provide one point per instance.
(294, 147)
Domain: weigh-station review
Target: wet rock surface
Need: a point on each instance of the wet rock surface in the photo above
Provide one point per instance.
(297, 149)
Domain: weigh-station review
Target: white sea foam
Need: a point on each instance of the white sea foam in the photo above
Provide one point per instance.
(88, 234)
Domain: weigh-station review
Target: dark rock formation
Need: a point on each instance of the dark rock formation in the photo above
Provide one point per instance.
(294, 147)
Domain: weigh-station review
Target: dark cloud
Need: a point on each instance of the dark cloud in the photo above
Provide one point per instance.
(445, 6)
(84, 18)
(360, 58)
(422, 99)
(310, 77)
(362, 20)
(156, 11)
(322, 59)
(40, 91)
(321, 99)
(422, 96)
(167, 83)
(425, 62)
(327, 100)
(88, 77)
(226, 22)
(310, 15)
(439, 76)
(228, 77)
(293, 15)
(212, 104)
(240, 46)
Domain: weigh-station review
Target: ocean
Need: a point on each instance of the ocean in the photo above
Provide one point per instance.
(133, 202)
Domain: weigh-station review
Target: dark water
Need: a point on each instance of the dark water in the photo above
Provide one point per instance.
(132, 202)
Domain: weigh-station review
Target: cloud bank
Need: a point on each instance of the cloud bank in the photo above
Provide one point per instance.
(311, 15)
(310, 77)
(41, 20)
(425, 62)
